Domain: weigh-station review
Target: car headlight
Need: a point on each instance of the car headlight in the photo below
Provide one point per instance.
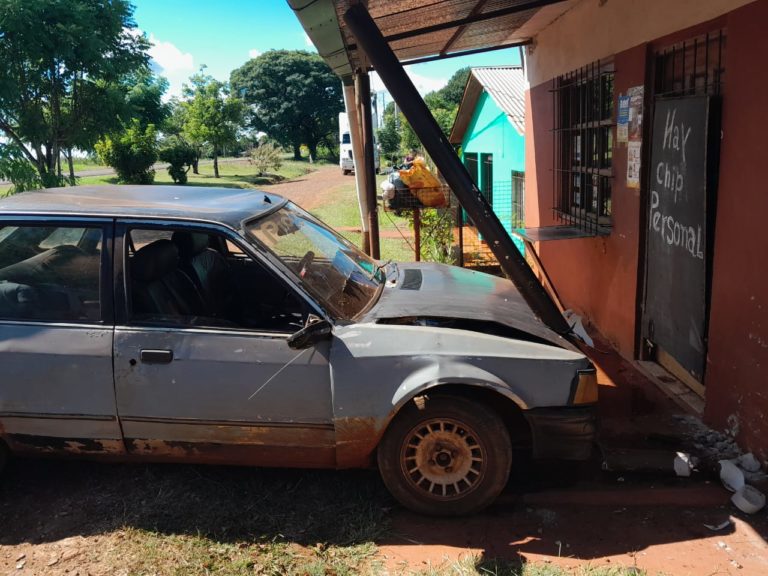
(586, 387)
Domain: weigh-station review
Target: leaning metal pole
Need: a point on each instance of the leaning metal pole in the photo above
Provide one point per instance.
(512, 262)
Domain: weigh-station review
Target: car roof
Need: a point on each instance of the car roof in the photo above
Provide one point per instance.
(229, 206)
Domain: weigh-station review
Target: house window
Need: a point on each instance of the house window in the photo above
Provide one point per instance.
(583, 121)
(692, 67)
(486, 176)
(470, 163)
(518, 199)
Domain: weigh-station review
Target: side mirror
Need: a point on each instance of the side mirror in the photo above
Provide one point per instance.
(310, 335)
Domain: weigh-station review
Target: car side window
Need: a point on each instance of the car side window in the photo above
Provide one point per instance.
(50, 273)
(181, 277)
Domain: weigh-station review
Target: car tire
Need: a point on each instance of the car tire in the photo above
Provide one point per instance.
(445, 456)
(345, 172)
(4, 452)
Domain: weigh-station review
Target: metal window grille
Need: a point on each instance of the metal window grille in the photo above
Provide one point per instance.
(583, 147)
(508, 205)
(692, 67)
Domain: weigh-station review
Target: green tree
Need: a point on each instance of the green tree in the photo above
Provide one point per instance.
(180, 156)
(132, 153)
(294, 97)
(212, 115)
(58, 57)
(144, 97)
(389, 136)
(453, 92)
(15, 168)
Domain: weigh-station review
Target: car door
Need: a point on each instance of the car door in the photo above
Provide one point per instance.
(56, 330)
(203, 385)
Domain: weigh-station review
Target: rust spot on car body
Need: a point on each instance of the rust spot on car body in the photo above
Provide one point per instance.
(28, 443)
(231, 454)
(356, 441)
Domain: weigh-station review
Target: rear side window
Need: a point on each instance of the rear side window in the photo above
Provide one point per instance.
(50, 273)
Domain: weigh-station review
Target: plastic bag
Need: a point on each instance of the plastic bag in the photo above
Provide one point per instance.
(423, 184)
(419, 176)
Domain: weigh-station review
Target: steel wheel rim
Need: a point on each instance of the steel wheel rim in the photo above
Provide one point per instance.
(443, 459)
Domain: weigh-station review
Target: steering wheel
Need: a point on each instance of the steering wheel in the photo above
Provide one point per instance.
(305, 263)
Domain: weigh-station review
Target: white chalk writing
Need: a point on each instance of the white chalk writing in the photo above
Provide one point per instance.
(673, 232)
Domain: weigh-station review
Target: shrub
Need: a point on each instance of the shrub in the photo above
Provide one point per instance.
(15, 168)
(265, 156)
(131, 153)
(436, 235)
(180, 156)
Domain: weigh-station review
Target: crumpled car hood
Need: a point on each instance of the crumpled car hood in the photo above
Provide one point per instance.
(427, 289)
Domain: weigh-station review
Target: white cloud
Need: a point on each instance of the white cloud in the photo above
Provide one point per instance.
(424, 84)
(168, 61)
(254, 53)
(308, 40)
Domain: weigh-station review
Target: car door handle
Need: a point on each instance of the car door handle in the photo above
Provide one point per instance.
(156, 356)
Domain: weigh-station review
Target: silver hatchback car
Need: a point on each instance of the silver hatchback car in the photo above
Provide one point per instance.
(228, 326)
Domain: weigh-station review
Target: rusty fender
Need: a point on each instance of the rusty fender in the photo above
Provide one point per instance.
(356, 441)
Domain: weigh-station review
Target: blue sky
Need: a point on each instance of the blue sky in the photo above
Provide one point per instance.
(224, 34)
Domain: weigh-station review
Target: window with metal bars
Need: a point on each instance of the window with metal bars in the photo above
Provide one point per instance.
(584, 132)
(692, 67)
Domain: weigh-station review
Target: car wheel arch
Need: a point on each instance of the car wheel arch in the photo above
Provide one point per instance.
(444, 374)
(501, 399)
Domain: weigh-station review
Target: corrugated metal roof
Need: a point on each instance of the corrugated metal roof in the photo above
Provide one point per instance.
(506, 87)
(417, 29)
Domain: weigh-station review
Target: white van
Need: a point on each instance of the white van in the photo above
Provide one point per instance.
(346, 161)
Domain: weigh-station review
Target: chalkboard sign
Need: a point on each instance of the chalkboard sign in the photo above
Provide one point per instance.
(674, 312)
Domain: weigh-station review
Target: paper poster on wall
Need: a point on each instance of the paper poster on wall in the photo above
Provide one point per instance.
(633, 164)
(635, 95)
(622, 121)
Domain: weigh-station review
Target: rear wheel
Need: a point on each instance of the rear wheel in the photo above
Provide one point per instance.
(450, 457)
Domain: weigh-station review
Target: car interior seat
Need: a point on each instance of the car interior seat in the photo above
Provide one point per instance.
(159, 287)
(208, 269)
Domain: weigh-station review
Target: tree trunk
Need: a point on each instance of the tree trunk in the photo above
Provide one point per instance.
(296, 151)
(68, 154)
(215, 163)
(195, 163)
(312, 151)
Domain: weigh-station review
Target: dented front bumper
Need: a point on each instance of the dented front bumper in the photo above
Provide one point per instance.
(567, 433)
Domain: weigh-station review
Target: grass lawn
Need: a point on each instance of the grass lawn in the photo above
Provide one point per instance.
(81, 164)
(234, 174)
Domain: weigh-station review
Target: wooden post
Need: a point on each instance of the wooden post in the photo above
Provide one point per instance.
(417, 233)
(363, 88)
(460, 223)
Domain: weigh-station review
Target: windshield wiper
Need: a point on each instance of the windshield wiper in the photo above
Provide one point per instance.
(379, 268)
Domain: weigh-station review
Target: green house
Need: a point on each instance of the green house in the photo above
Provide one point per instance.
(490, 132)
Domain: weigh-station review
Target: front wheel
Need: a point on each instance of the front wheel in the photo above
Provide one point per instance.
(450, 457)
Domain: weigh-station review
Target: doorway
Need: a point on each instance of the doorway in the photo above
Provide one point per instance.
(680, 210)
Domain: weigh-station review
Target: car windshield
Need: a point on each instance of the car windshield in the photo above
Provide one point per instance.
(344, 280)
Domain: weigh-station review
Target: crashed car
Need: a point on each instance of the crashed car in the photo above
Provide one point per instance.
(208, 325)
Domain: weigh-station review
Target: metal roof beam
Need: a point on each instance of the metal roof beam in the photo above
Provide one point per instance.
(466, 52)
(460, 31)
(464, 21)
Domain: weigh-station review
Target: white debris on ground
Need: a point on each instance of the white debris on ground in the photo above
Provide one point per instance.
(738, 472)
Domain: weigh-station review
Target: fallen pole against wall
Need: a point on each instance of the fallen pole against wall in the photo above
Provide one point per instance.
(384, 61)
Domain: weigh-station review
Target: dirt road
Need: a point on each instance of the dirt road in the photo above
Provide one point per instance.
(313, 189)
